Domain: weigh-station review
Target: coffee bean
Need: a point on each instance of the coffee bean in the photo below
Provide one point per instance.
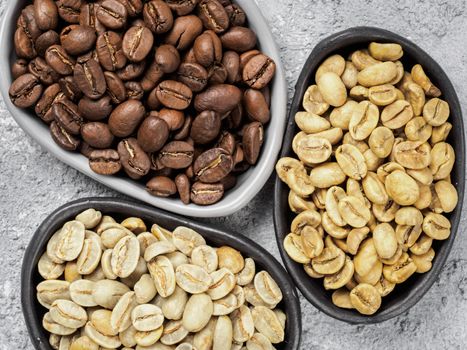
(217, 74)
(19, 68)
(256, 106)
(213, 165)
(229, 182)
(253, 137)
(45, 40)
(237, 16)
(25, 91)
(115, 87)
(134, 160)
(152, 77)
(85, 149)
(95, 109)
(63, 138)
(24, 44)
(77, 39)
(59, 60)
(227, 142)
(69, 10)
(246, 56)
(27, 21)
(90, 79)
(184, 32)
(177, 155)
(183, 187)
(206, 194)
(174, 119)
(182, 7)
(44, 106)
(231, 62)
(208, 48)
(97, 135)
(153, 134)
(157, 16)
(70, 89)
(105, 162)
(174, 94)
(68, 116)
(112, 14)
(46, 14)
(39, 68)
(168, 58)
(88, 17)
(239, 39)
(161, 186)
(205, 127)
(193, 75)
(221, 98)
(134, 90)
(235, 117)
(126, 117)
(133, 7)
(213, 15)
(131, 71)
(137, 43)
(184, 131)
(258, 71)
(152, 100)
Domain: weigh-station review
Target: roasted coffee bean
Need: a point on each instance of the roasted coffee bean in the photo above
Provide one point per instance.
(137, 43)
(227, 142)
(69, 10)
(258, 71)
(134, 160)
(229, 182)
(231, 62)
(134, 90)
(95, 109)
(205, 127)
(63, 138)
(70, 89)
(59, 60)
(46, 14)
(88, 17)
(44, 106)
(124, 119)
(239, 39)
(237, 16)
(208, 48)
(112, 14)
(184, 32)
(39, 68)
(182, 7)
(27, 20)
(153, 134)
(105, 162)
(110, 52)
(167, 58)
(24, 44)
(77, 39)
(256, 106)
(213, 15)
(68, 116)
(161, 186)
(158, 16)
(152, 77)
(193, 75)
(25, 91)
(184, 131)
(174, 94)
(253, 138)
(220, 98)
(174, 119)
(206, 194)
(177, 155)
(97, 135)
(19, 68)
(90, 79)
(133, 7)
(115, 87)
(213, 165)
(45, 40)
(183, 187)
(217, 74)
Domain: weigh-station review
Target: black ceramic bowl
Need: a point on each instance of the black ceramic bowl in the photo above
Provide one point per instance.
(409, 293)
(119, 209)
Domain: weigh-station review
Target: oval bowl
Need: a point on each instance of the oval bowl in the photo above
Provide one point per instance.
(120, 209)
(249, 183)
(410, 292)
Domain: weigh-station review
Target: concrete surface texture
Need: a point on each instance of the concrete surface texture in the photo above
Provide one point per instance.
(33, 183)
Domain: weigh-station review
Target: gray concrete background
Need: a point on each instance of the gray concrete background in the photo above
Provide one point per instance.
(33, 183)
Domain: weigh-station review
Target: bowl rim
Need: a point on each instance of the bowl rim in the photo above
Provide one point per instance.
(249, 183)
(328, 45)
(109, 206)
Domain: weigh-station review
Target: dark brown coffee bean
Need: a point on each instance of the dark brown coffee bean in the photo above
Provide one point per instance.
(231, 62)
(27, 21)
(124, 119)
(213, 15)
(184, 32)
(229, 182)
(134, 90)
(177, 155)
(193, 75)
(221, 98)
(217, 74)
(50, 96)
(24, 44)
(77, 39)
(208, 48)
(213, 165)
(88, 17)
(63, 138)
(253, 137)
(182, 7)
(133, 7)
(158, 16)
(135, 161)
(174, 119)
(91, 55)
(90, 79)
(152, 77)
(152, 101)
(236, 15)
(46, 14)
(206, 194)
(206, 127)
(85, 149)
(137, 43)
(168, 58)
(57, 58)
(42, 70)
(256, 106)
(161, 186)
(239, 39)
(131, 71)
(259, 71)
(69, 10)
(68, 116)
(115, 87)
(70, 89)
(112, 14)
(183, 187)
(174, 94)
(95, 109)
(25, 91)
(227, 142)
(184, 131)
(153, 134)
(105, 161)
(110, 52)
(45, 40)
(97, 135)
(19, 67)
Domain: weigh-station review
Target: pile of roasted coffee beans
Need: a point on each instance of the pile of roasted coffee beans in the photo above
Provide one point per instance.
(110, 285)
(372, 180)
(175, 93)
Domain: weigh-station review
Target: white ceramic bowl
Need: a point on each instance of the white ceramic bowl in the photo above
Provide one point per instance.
(249, 183)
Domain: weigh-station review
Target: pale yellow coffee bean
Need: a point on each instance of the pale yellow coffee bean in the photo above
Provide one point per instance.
(385, 213)
(297, 204)
(388, 168)
(420, 77)
(71, 273)
(418, 129)
(186, 239)
(401, 270)
(333, 196)
(447, 195)
(312, 243)
(313, 101)
(192, 278)
(135, 225)
(333, 135)
(424, 261)
(70, 241)
(362, 146)
(306, 218)
(436, 226)
(313, 150)
(374, 189)
(440, 133)
(68, 314)
(382, 95)
(198, 312)
(365, 298)
(148, 339)
(106, 219)
(416, 97)
(413, 154)
(267, 288)
(125, 256)
(267, 323)
(364, 120)
(177, 259)
(366, 257)
(378, 74)
(402, 188)
(423, 176)
(359, 93)
(147, 317)
(355, 237)
(436, 111)
(252, 297)
(384, 287)
(442, 160)
(127, 337)
(373, 276)
(111, 233)
(107, 266)
(50, 290)
(222, 283)
(107, 293)
(385, 240)
(54, 341)
(225, 305)
(407, 235)
(82, 291)
(55, 328)
(409, 216)
(173, 333)
(158, 248)
(311, 123)
(173, 306)
(334, 63)
(341, 298)
(121, 313)
(362, 59)
(285, 164)
(246, 275)
(310, 271)
(97, 275)
(294, 249)
(332, 89)
(163, 274)
(332, 229)
(230, 258)
(319, 198)
(354, 188)
(243, 324)
(205, 257)
(406, 80)
(349, 76)
(100, 320)
(397, 114)
(385, 51)
(353, 211)
(223, 334)
(340, 116)
(204, 338)
(258, 342)
(422, 245)
(372, 161)
(83, 343)
(351, 161)
(90, 257)
(90, 218)
(105, 341)
(161, 233)
(352, 284)
(48, 269)
(145, 240)
(342, 277)
(398, 78)
(329, 262)
(327, 175)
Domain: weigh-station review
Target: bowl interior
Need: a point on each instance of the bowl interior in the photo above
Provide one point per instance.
(249, 183)
(33, 311)
(407, 294)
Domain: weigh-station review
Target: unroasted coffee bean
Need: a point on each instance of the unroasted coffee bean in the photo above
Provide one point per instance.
(105, 162)
(77, 39)
(137, 43)
(167, 58)
(174, 94)
(25, 91)
(45, 40)
(157, 16)
(70, 89)
(256, 106)
(206, 194)
(221, 98)
(126, 117)
(42, 70)
(46, 14)
(19, 68)
(63, 138)
(193, 75)
(183, 187)
(112, 14)
(213, 165)
(134, 160)
(69, 10)
(213, 15)
(177, 155)
(253, 137)
(205, 127)
(208, 49)
(161, 186)
(97, 134)
(184, 32)
(95, 109)
(258, 71)
(59, 60)
(239, 39)
(153, 134)
(90, 79)
(68, 116)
